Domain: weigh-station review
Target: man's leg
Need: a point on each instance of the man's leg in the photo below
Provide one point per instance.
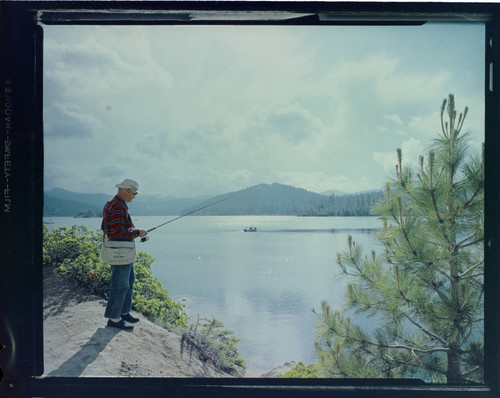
(118, 290)
(127, 304)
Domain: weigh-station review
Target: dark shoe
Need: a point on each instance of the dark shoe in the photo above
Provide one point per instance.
(129, 318)
(120, 325)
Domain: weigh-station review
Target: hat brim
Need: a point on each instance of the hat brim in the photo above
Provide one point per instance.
(121, 186)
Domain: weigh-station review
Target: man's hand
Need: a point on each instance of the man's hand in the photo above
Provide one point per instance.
(142, 233)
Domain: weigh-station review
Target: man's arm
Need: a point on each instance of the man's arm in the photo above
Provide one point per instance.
(119, 226)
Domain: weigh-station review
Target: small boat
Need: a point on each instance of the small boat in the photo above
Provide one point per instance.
(250, 229)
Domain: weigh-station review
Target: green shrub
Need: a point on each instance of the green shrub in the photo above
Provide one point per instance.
(150, 296)
(214, 344)
(66, 243)
(74, 252)
(301, 371)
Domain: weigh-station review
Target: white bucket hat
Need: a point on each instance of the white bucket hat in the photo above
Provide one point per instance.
(129, 184)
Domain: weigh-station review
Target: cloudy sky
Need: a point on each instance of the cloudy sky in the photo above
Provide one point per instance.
(203, 110)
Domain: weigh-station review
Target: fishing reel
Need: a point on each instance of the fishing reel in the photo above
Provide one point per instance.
(144, 239)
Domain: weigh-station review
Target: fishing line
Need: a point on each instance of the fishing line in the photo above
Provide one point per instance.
(144, 239)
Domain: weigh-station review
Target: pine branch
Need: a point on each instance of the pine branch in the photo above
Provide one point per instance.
(395, 218)
(337, 362)
(460, 125)
(353, 339)
(473, 276)
(442, 120)
(421, 350)
(396, 271)
(433, 196)
(470, 371)
(426, 331)
(353, 260)
(408, 348)
(435, 288)
(403, 230)
(460, 276)
(442, 273)
(467, 204)
(421, 259)
(460, 245)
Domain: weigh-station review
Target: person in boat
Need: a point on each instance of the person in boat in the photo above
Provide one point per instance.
(117, 225)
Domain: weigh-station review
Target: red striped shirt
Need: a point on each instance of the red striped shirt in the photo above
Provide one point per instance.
(116, 220)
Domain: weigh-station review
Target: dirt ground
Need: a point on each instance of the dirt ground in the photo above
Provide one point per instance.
(78, 343)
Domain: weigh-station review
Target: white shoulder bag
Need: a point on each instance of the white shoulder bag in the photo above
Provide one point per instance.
(117, 252)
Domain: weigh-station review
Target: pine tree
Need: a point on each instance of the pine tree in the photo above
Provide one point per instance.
(424, 294)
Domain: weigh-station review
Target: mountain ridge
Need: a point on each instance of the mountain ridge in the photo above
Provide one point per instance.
(261, 199)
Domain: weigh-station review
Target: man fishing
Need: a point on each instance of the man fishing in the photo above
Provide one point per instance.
(118, 226)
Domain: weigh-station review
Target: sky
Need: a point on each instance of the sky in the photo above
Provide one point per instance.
(204, 110)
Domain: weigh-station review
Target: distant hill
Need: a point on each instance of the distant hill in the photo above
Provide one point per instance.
(63, 203)
(263, 199)
(92, 199)
(279, 199)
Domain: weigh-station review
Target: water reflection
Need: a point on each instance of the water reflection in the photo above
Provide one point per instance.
(326, 230)
(262, 285)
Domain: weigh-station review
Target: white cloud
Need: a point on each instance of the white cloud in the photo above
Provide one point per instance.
(394, 118)
(410, 149)
(387, 159)
(321, 182)
(190, 110)
(66, 119)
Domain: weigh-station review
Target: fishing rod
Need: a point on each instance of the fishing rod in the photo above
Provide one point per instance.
(144, 239)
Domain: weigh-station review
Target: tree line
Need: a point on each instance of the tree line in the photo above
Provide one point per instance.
(347, 205)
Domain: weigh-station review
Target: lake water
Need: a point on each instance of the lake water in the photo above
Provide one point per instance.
(262, 285)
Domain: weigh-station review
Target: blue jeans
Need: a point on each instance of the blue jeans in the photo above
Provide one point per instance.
(120, 291)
